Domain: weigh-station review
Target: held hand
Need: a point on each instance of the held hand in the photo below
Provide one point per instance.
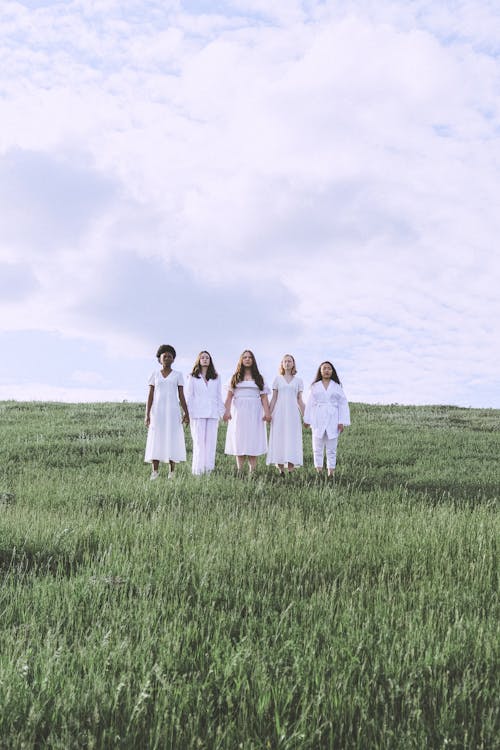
(306, 425)
(185, 418)
(147, 420)
(267, 418)
(341, 428)
(227, 416)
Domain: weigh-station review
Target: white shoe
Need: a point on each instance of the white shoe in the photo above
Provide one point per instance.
(171, 475)
(154, 475)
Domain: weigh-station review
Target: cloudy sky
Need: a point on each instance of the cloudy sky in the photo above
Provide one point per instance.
(304, 176)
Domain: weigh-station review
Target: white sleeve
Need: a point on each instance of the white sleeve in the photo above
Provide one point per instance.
(189, 389)
(220, 402)
(344, 414)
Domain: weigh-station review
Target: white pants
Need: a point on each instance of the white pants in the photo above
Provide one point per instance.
(204, 434)
(319, 444)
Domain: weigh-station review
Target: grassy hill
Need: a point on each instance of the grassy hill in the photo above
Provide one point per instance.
(219, 612)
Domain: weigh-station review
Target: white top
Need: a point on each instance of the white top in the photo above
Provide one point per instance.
(326, 408)
(204, 398)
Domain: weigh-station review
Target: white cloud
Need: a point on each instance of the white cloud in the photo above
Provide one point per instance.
(342, 154)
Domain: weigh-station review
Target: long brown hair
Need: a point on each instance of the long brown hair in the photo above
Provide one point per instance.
(335, 377)
(240, 372)
(211, 371)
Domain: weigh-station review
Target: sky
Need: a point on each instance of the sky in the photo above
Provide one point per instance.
(311, 177)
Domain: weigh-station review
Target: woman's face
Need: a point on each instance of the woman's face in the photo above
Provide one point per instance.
(246, 359)
(287, 363)
(166, 359)
(326, 371)
(204, 359)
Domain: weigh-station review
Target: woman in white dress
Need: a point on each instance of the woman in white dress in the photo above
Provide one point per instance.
(165, 440)
(204, 399)
(286, 407)
(247, 411)
(327, 413)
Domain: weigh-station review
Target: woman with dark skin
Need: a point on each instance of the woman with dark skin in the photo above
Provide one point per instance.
(165, 440)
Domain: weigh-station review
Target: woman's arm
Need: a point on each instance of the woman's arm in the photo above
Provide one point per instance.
(227, 407)
(301, 404)
(273, 400)
(149, 404)
(265, 405)
(185, 418)
(308, 411)
(220, 403)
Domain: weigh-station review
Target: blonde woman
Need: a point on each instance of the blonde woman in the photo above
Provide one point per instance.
(287, 408)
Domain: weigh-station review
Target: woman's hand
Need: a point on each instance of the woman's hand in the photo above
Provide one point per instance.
(306, 425)
(341, 428)
(227, 415)
(147, 420)
(185, 418)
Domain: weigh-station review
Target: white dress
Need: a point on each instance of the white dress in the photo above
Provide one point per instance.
(246, 432)
(165, 440)
(285, 437)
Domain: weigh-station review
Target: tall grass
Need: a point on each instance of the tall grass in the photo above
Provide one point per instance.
(256, 613)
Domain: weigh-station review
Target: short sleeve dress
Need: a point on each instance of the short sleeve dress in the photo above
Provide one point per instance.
(285, 437)
(165, 440)
(246, 432)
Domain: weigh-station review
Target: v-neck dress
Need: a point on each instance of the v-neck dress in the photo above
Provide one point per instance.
(246, 432)
(165, 440)
(285, 437)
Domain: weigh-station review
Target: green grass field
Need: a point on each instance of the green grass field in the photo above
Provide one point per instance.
(249, 613)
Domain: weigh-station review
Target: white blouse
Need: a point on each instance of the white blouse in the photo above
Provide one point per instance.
(204, 398)
(326, 408)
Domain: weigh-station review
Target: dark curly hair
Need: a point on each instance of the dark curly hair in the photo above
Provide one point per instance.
(240, 372)
(211, 371)
(335, 377)
(165, 348)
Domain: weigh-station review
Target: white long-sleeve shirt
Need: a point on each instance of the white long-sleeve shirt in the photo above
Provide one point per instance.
(326, 408)
(204, 398)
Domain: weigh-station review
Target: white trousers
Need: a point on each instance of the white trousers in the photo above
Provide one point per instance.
(319, 444)
(204, 434)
